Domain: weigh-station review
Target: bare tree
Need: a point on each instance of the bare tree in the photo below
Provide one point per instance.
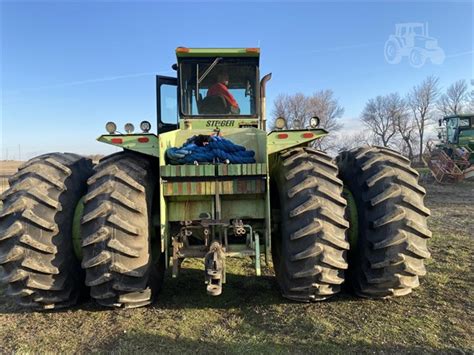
(380, 115)
(455, 99)
(347, 141)
(324, 105)
(407, 130)
(294, 108)
(421, 101)
(298, 109)
(471, 97)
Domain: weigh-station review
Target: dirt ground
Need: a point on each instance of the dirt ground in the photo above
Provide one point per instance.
(250, 316)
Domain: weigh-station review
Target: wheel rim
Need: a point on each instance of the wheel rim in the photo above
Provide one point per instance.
(76, 229)
(353, 216)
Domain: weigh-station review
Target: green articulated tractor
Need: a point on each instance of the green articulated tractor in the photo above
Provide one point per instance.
(213, 183)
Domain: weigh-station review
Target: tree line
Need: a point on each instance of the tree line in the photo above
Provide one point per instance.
(394, 120)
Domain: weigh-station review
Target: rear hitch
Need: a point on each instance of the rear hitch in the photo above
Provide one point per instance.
(214, 264)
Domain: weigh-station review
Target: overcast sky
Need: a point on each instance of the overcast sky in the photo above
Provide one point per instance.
(69, 67)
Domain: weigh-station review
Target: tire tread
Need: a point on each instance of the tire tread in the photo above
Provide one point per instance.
(392, 222)
(312, 256)
(38, 265)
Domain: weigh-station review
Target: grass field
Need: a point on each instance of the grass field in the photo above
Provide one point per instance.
(250, 316)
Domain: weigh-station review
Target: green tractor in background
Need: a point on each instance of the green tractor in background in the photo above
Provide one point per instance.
(450, 159)
(116, 227)
(457, 131)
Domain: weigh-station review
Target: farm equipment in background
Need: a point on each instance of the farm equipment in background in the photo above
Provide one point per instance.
(212, 183)
(451, 159)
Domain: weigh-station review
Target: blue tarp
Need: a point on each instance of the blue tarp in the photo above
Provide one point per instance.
(210, 149)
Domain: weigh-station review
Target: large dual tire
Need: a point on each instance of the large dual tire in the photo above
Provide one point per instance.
(117, 232)
(309, 247)
(386, 258)
(37, 258)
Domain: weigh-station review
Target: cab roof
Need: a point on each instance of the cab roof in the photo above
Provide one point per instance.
(217, 52)
(461, 115)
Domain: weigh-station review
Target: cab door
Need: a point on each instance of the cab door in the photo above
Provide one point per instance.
(166, 103)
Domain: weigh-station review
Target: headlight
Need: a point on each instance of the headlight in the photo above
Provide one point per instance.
(129, 128)
(110, 127)
(145, 126)
(280, 123)
(314, 122)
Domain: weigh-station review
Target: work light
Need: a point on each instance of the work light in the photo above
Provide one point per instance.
(145, 126)
(129, 128)
(110, 127)
(280, 123)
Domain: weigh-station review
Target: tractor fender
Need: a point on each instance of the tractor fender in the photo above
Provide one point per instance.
(145, 143)
(284, 139)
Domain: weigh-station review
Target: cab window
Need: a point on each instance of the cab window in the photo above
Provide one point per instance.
(464, 123)
(451, 125)
(219, 86)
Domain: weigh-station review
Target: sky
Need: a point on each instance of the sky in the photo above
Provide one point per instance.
(69, 67)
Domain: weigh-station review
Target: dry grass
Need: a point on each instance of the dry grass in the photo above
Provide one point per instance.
(7, 168)
(250, 316)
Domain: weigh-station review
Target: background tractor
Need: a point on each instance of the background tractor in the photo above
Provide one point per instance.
(116, 227)
(450, 159)
(413, 41)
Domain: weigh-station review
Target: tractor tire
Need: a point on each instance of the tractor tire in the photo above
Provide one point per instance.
(37, 260)
(309, 249)
(117, 231)
(386, 256)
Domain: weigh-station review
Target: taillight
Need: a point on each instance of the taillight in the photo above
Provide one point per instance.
(252, 50)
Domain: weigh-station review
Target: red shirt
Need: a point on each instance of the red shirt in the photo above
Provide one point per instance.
(220, 89)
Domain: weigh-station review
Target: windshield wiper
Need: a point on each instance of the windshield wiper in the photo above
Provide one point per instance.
(203, 76)
(208, 70)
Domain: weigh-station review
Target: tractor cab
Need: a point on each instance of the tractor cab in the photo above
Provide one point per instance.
(220, 86)
(214, 88)
(458, 129)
